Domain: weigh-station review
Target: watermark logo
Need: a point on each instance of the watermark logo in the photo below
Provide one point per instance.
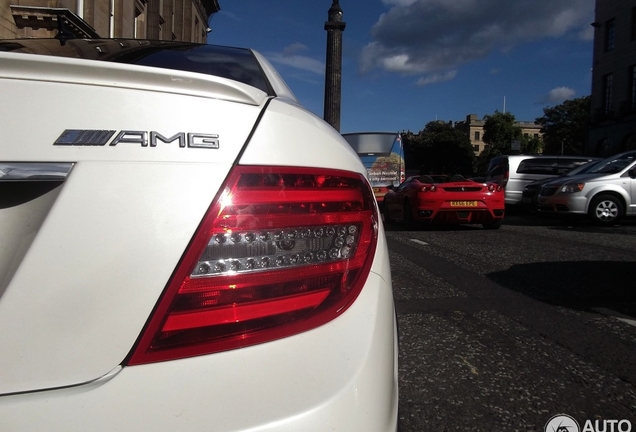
(566, 423)
(562, 423)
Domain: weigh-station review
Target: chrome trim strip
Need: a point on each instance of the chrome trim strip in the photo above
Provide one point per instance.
(34, 171)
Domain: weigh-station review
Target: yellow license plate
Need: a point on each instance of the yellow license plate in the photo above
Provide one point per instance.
(464, 204)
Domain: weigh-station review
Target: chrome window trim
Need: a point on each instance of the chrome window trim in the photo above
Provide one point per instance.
(34, 171)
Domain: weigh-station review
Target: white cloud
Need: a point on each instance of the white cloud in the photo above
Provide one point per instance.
(587, 33)
(293, 49)
(560, 94)
(437, 78)
(432, 36)
(229, 15)
(291, 57)
(398, 2)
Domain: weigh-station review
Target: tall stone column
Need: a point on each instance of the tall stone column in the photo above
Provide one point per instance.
(333, 73)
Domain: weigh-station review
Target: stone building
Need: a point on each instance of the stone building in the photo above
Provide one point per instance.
(613, 98)
(182, 20)
(474, 127)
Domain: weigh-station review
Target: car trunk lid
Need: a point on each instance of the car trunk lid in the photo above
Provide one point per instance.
(105, 174)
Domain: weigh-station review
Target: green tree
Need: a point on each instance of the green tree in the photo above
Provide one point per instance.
(449, 150)
(565, 127)
(500, 130)
(439, 148)
(532, 145)
(414, 150)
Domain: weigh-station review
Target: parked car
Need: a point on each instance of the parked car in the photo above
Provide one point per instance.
(184, 247)
(514, 172)
(531, 191)
(421, 200)
(606, 193)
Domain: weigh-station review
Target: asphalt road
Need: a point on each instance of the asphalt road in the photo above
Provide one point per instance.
(502, 330)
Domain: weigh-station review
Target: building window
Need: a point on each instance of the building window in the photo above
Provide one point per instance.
(607, 93)
(610, 34)
(477, 136)
(526, 135)
(476, 147)
(536, 136)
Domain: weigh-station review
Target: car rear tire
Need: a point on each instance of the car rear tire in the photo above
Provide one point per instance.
(606, 210)
(407, 215)
(387, 216)
(493, 225)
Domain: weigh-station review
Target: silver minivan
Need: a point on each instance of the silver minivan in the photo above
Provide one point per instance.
(606, 193)
(514, 172)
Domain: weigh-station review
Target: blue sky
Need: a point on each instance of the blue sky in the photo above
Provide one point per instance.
(409, 62)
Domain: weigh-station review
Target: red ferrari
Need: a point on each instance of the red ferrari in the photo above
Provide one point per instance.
(419, 199)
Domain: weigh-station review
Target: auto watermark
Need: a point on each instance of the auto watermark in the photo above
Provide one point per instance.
(566, 423)
(562, 423)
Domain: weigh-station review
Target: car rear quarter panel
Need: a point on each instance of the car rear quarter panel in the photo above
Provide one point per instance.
(289, 135)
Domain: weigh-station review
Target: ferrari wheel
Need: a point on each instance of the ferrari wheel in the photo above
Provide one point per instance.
(407, 215)
(387, 215)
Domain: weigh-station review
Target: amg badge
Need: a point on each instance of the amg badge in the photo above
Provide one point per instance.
(93, 137)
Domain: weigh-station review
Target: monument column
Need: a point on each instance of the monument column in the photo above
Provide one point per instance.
(333, 73)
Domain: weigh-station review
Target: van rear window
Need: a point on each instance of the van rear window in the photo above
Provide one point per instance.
(497, 162)
(537, 166)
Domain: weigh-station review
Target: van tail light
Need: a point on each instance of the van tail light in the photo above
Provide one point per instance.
(506, 176)
(282, 250)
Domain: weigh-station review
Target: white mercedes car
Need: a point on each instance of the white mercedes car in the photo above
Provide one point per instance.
(183, 248)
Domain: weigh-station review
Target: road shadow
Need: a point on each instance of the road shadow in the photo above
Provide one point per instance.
(400, 227)
(569, 223)
(580, 285)
(553, 222)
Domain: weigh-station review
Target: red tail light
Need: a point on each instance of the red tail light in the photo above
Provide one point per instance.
(493, 187)
(282, 250)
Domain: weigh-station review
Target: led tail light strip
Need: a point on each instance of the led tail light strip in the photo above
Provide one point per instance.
(281, 251)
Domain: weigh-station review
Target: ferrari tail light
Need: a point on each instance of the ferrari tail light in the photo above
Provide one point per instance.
(493, 187)
(430, 188)
(282, 250)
